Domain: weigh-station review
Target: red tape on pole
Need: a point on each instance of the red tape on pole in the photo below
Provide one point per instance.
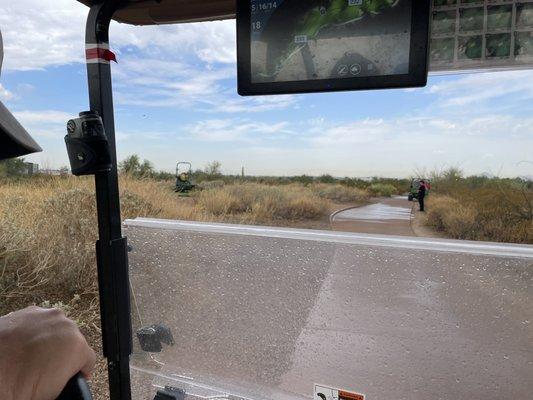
(99, 53)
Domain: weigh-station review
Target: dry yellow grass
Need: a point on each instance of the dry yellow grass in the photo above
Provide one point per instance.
(340, 193)
(446, 214)
(48, 225)
(255, 203)
(48, 230)
(490, 216)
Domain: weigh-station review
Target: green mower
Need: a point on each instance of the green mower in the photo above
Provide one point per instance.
(183, 178)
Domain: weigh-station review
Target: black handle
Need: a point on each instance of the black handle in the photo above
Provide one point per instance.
(76, 389)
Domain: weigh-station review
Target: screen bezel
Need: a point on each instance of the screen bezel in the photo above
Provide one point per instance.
(418, 61)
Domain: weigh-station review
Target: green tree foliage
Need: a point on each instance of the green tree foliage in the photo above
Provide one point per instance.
(326, 178)
(213, 168)
(13, 167)
(132, 165)
(146, 168)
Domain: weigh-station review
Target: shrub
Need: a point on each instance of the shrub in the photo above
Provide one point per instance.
(260, 203)
(446, 214)
(305, 207)
(211, 184)
(483, 214)
(341, 193)
(382, 189)
(218, 202)
(48, 230)
(13, 167)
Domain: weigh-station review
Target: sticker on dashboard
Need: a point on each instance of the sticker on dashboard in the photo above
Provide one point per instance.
(328, 393)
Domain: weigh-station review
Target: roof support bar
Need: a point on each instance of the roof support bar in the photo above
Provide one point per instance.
(111, 248)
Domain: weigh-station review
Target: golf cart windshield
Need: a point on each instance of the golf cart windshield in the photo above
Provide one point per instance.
(271, 313)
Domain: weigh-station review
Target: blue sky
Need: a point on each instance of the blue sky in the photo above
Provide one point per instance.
(175, 99)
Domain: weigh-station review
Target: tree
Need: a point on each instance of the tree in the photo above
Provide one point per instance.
(452, 174)
(13, 167)
(146, 169)
(213, 168)
(326, 178)
(130, 165)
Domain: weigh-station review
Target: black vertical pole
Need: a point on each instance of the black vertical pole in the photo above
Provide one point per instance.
(111, 247)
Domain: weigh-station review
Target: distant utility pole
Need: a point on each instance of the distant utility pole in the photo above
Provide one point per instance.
(242, 171)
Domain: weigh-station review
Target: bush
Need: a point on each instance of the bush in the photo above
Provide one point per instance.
(13, 167)
(501, 207)
(340, 193)
(48, 230)
(446, 214)
(382, 190)
(305, 207)
(483, 214)
(218, 202)
(133, 166)
(260, 203)
(211, 184)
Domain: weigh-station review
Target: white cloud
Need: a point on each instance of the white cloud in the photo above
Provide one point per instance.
(4, 93)
(429, 129)
(174, 66)
(361, 147)
(166, 83)
(228, 130)
(362, 131)
(477, 88)
(44, 123)
(151, 82)
(43, 117)
(365, 147)
(254, 104)
(38, 34)
(211, 42)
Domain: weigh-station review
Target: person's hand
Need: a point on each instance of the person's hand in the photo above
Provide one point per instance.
(40, 350)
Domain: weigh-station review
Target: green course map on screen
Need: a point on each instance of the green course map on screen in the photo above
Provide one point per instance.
(295, 40)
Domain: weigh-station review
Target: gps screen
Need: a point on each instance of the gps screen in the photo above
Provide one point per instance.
(294, 40)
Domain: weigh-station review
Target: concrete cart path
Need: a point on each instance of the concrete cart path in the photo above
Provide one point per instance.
(390, 216)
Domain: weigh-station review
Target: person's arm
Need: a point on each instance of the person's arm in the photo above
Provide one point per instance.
(40, 350)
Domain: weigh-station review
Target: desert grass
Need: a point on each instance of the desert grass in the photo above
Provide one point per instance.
(48, 229)
(489, 213)
(256, 203)
(48, 225)
(340, 193)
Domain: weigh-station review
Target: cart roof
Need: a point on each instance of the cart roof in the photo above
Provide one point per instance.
(153, 12)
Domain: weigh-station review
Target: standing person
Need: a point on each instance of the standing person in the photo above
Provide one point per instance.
(421, 194)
